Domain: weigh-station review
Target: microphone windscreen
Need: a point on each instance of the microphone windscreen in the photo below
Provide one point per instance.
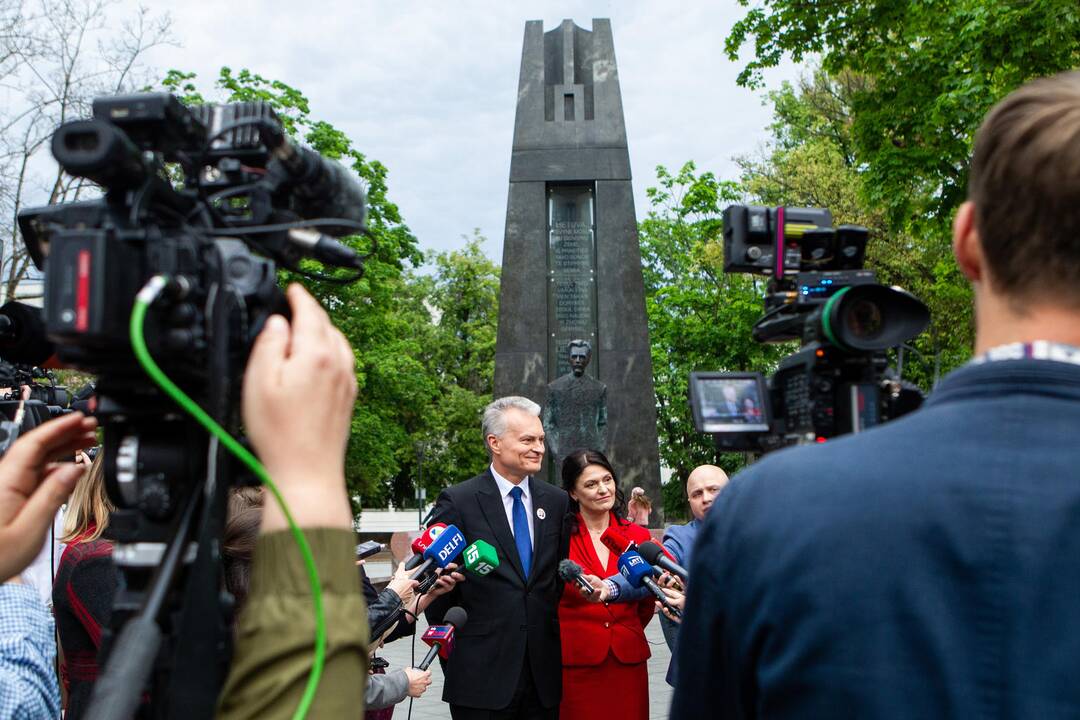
(651, 552)
(456, 616)
(616, 541)
(568, 570)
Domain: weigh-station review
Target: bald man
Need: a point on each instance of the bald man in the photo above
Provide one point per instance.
(702, 486)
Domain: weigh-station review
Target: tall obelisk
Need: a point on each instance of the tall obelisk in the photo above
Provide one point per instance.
(571, 260)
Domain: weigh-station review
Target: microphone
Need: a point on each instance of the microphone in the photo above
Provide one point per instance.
(570, 571)
(638, 572)
(421, 543)
(441, 637)
(320, 188)
(481, 558)
(616, 541)
(442, 551)
(656, 555)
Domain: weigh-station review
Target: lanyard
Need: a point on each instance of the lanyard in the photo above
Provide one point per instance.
(1037, 350)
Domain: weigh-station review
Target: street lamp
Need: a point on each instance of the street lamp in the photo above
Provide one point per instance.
(421, 492)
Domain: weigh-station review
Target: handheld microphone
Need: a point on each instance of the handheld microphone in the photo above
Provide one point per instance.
(656, 555)
(638, 572)
(570, 571)
(369, 548)
(421, 543)
(441, 637)
(442, 551)
(616, 541)
(481, 558)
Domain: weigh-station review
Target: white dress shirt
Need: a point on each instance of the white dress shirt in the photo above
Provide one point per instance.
(505, 486)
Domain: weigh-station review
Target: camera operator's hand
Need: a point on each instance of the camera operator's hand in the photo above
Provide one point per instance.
(33, 486)
(418, 681)
(299, 388)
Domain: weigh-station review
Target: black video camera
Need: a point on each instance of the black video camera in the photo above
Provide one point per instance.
(201, 206)
(818, 293)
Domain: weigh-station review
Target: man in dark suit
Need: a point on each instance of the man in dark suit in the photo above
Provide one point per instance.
(931, 566)
(507, 659)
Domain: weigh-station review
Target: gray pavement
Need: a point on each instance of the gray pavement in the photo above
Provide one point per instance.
(431, 706)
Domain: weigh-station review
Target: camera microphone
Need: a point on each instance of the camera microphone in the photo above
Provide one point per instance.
(322, 188)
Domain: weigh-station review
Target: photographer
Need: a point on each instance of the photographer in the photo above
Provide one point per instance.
(302, 446)
(32, 489)
(926, 567)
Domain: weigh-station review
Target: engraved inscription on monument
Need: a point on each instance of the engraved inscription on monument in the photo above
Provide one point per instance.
(571, 274)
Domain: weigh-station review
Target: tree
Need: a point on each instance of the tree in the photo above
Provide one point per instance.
(377, 314)
(56, 56)
(462, 296)
(930, 73)
(699, 317)
(810, 162)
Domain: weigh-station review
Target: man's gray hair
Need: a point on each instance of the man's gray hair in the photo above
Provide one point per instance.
(494, 422)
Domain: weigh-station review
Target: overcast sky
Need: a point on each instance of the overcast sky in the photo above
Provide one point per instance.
(429, 88)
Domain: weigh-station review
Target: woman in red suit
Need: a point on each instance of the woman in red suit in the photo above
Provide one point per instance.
(604, 650)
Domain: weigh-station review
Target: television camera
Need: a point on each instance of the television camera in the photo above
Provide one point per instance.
(818, 293)
(201, 206)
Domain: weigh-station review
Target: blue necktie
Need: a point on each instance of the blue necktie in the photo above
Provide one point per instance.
(521, 531)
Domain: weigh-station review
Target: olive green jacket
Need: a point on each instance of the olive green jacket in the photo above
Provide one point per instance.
(275, 634)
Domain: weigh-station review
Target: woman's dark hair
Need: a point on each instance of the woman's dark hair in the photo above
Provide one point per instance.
(572, 467)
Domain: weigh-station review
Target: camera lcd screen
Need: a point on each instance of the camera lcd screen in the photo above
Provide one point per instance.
(729, 402)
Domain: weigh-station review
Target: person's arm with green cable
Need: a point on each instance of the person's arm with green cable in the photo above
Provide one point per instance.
(299, 388)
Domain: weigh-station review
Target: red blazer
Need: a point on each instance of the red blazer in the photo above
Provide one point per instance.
(590, 630)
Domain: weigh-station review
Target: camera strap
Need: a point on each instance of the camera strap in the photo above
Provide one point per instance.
(1036, 350)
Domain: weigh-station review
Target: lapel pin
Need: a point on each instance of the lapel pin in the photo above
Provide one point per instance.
(540, 514)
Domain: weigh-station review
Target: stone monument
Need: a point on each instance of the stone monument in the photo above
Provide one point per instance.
(575, 408)
(571, 260)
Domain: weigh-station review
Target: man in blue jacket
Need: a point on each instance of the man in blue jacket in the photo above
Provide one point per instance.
(931, 566)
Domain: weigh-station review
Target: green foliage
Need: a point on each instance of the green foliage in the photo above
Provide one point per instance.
(810, 163)
(699, 317)
(931, 71)
(408, 331)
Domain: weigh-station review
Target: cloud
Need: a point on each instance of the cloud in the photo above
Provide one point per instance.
(429, 89)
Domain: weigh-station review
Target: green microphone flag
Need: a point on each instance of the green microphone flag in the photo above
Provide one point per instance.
(481, 558)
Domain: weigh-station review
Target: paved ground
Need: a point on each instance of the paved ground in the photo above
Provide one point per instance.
(431, 706)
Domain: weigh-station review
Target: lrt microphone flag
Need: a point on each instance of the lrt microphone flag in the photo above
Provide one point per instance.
(638, 573)
(442, 551)
(421, 543)
(481, 558)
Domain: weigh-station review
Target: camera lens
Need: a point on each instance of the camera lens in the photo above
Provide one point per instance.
(863, 320)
